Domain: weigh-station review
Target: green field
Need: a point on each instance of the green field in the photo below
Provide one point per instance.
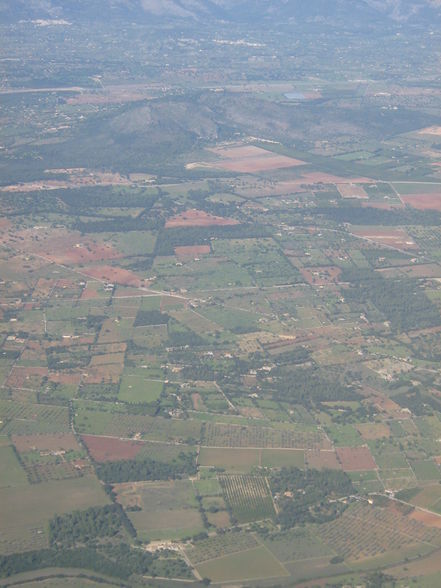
(277, 458)
(134, 389)
(234, 460)
(115, 422)
(168, 509)
(28, 508)
(257, 563)
(208, 487)
(298, 544)
(11, 474)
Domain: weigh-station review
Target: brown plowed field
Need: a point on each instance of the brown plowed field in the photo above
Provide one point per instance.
(198, 218)
(320, 460)
(386, 236)
(249, 159)
(324, 178)
(373, 431)
(110, 448)
(427, 518)
(66, 378)
(431, 131)
(355, 459)
(73, 250)
(114, 275)
(109, 373)
(26, 377)
(423, 201)
(192, 250)
(56, 442)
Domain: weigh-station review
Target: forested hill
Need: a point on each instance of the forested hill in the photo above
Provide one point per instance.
(345, 13)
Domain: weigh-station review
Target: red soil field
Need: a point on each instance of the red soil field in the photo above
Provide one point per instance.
(423, 201)
(427, 518)
(355, 459)
(316, 181)
(109, 373)
(114, 275)
(67, 248)
(260, 163)
(198, 218)
(66, 378)
(192, 250)
(110, 448)
(89, 294)
(241, 151)
(198, 403)
(83, 253)
(5, 224)
(56, 442)
(43, 288)
(249, 159)
(386, 405)
(373, 431)
(26, 377)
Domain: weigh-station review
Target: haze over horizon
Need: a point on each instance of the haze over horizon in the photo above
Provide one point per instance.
(220, 293)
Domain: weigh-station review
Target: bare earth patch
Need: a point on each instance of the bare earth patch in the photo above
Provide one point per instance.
(104, 449)
(355, 459)
(251, 159)
(198, 218)
(423, 201)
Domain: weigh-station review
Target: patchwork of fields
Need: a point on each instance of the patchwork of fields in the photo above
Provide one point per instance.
(220, 299)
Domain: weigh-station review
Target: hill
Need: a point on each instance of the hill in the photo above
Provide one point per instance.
(338, 12)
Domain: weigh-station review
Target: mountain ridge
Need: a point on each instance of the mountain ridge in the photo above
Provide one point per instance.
(335, 11)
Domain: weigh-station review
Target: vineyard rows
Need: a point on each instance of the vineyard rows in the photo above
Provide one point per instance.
(27, 419)
(365, 531)
(227, 435)
(249, 497)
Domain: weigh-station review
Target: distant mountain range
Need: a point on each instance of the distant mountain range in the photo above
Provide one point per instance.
(343, 12)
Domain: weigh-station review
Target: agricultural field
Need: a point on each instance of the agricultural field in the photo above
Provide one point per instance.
(230, 459)
(230, 557)
(12, 473)
(161, 510)
(28, 508)
(220, 435)
(366, 532)
(253, 564)
(221, 546)
(220, 294)
(249, 497)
